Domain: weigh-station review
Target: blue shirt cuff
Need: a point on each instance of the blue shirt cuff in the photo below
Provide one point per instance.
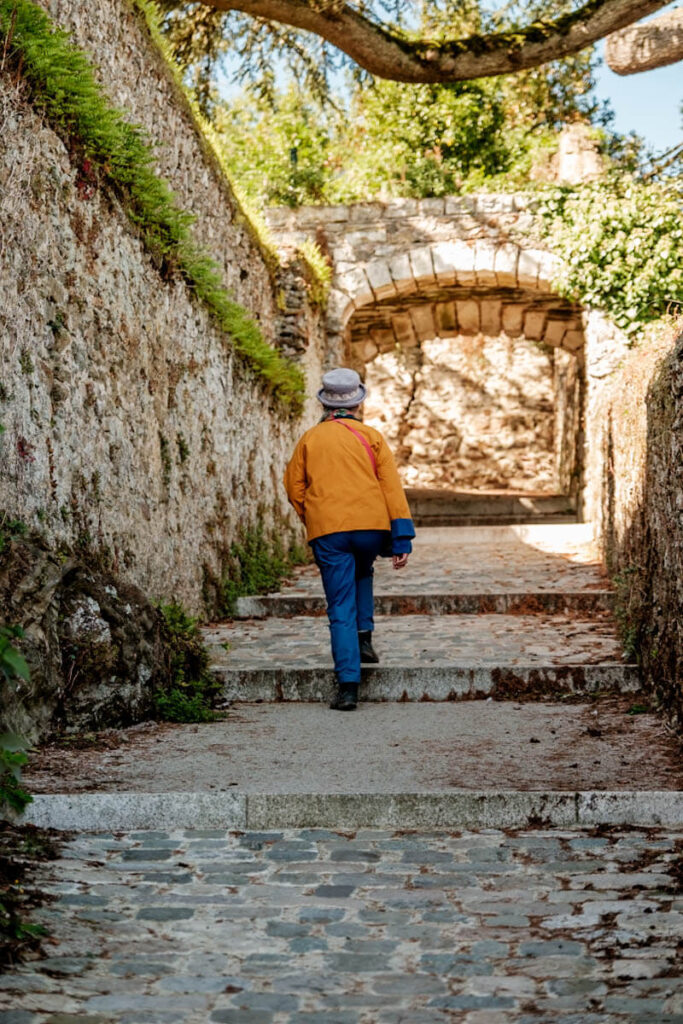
(401, 532)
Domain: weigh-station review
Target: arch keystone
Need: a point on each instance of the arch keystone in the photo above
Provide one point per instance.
(484, 260)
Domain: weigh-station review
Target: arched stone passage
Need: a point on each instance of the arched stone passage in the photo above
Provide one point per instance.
(445, 289)
(474, 366)
(409, 274)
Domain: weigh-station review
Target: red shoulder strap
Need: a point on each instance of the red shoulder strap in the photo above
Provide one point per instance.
(356, 433)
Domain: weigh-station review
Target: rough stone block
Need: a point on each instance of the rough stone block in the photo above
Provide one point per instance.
(365, 351)
(505, 265)
(528, 267)
(421, 264)
(423, 322)
(385, 340)
(446, 320)
(403, 329)
(554, 332)
(399, 208)
(456, 205)
(401, 274)
(534, 324)
(365, 213)
(490, 317)
(573, 341)
(484, 260)
(513, 319)
(468, 316)
(355, 284)
(380, 278)
(432, 207)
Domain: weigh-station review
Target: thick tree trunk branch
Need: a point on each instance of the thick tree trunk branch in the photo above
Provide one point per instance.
(651, 45)
(389, 55)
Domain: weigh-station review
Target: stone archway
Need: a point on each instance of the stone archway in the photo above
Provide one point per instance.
(478, 366)
(409, 274)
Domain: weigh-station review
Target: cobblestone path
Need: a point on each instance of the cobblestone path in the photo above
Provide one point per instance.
(502, 700)
(314, 926)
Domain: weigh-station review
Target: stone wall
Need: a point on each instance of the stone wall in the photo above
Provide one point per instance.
(473, 413)
(637, 468)
(131, 428)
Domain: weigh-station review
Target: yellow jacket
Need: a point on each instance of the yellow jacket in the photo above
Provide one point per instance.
(331, 482)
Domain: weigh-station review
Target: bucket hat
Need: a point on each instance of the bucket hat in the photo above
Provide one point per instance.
(342, 389)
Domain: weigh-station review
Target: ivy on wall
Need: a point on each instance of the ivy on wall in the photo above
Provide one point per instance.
(621, 242)
(117, 153)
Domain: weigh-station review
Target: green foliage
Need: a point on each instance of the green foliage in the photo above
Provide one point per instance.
(192, 688)
(12, 663)
(10, 528)
(621, 241)
(12, 759)
(257, 565)
(424, 140)
(12, 748)
(394, 139)
(114, 151)
(629, 609)
(281, 154)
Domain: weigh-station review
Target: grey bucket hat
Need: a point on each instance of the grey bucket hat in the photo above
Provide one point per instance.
(342, 389)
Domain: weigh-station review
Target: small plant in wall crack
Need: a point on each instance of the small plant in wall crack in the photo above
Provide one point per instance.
(192, 689)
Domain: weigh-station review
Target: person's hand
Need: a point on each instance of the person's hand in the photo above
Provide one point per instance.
(400, 561)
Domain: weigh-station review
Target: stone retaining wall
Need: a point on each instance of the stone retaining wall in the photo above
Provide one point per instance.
(131, 427)
(637, 456)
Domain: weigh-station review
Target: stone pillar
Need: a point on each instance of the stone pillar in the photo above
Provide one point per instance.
(578, 156)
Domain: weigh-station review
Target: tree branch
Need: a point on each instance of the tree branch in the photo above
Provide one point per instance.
(651, 45)
(388, 54)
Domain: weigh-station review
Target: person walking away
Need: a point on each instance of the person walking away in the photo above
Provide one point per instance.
(343, 483)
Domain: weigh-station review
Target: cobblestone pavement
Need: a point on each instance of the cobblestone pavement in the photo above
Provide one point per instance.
(425, 640)
(484, 560)
(313, 926)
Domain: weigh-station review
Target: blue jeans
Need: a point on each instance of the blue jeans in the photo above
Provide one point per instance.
(345, 563)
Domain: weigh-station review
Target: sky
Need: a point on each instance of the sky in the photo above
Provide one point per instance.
(648, 103)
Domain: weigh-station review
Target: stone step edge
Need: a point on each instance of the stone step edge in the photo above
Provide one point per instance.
(464, 518)
(428, 683)
(503, 603)
(454, 809)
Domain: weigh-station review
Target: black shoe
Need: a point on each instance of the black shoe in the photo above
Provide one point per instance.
(346, 697)
(368, 655)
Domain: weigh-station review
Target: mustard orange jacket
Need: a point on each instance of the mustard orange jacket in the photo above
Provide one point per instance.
(331, 482)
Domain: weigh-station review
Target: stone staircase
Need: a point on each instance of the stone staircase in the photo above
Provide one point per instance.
(502, 700)
(499, 612)
(436, 507)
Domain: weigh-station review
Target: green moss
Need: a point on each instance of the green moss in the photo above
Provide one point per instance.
(117, 153)
(183, 448)
(25, 362)
(165, 455)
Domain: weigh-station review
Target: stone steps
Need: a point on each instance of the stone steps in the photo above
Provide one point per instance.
(432, 683)
(455, 508)
(521, 602)
(116, 812)
(424, 658)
